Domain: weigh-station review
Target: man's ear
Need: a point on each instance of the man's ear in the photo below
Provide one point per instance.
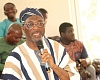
(5, 12)
(16, 10)
(62, 34)
(23, 29)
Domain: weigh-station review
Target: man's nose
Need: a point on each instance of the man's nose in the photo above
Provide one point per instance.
(35, 26)
(10, 10)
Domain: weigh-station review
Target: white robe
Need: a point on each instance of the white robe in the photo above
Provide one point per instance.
(23, 64)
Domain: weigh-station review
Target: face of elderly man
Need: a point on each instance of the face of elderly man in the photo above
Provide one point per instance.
(34, 27)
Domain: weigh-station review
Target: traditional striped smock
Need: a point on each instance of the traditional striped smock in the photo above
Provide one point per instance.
(23, 63)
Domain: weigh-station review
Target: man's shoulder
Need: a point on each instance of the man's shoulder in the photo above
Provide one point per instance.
(3, 23)
(55, 43)
(18, 21)
(78, 42)
(17, 48)
(4, 20)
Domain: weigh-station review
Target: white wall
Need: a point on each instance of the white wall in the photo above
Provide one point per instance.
(58, 12)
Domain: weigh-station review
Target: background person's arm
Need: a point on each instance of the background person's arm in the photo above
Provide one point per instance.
(85, 61)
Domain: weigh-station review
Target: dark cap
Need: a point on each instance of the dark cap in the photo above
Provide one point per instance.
(29, 12)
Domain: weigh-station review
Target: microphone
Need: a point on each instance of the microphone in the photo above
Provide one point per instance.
(41, 48)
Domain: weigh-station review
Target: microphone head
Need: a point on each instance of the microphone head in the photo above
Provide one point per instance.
(40, 44)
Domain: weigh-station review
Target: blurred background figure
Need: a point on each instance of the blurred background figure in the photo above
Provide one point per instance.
(9, 42)
(44, 13)
(76, 49)
(10, 11)
(96, 64)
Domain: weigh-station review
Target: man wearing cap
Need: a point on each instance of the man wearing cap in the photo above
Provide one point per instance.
(33, 61)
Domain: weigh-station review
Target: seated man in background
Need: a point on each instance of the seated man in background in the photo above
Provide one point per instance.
(10, 11)
(9, 42)
(26, 62)
(75, 48)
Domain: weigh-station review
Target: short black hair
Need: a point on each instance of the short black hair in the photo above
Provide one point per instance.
(7, 4)
(63, 26)
(42, 10)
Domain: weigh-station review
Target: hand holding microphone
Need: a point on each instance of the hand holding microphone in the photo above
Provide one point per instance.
(45, 56)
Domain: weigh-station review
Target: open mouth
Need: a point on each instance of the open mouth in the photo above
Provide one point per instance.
(36, 35)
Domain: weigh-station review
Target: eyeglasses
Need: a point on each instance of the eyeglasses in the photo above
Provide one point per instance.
(30, 25)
